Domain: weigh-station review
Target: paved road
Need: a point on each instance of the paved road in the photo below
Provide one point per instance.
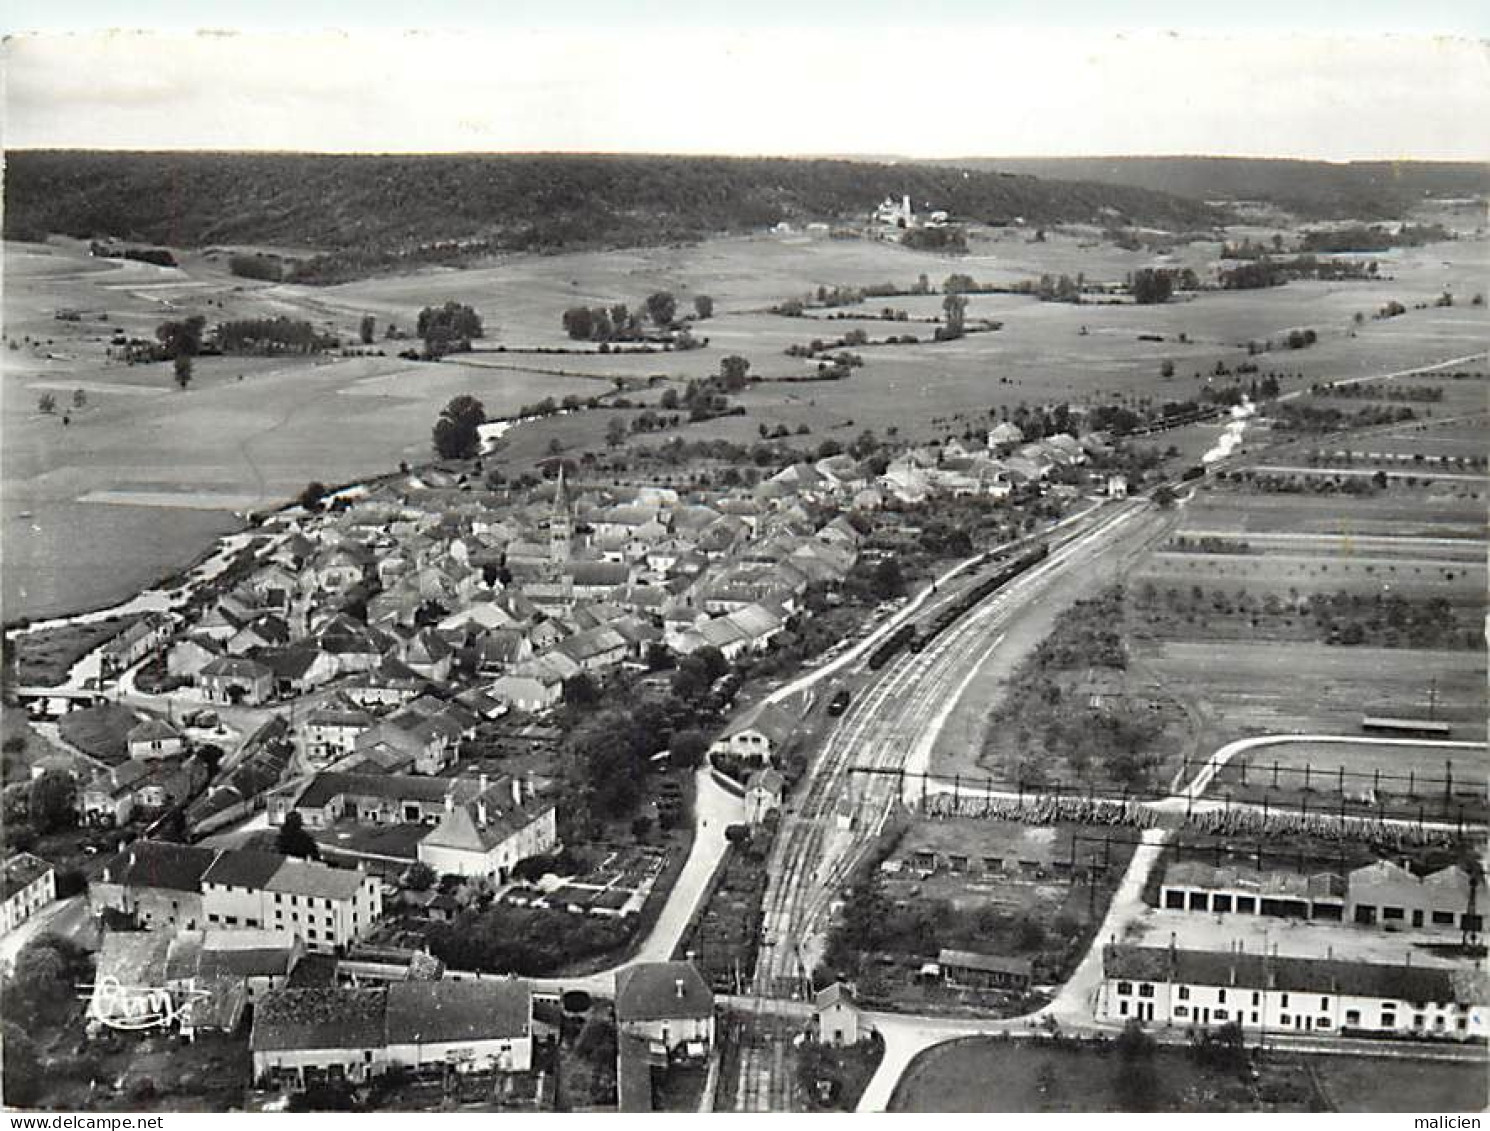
(715, 809)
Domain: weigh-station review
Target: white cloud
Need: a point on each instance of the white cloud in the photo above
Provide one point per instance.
(917, 91)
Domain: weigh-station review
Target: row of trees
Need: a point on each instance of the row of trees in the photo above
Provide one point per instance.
(272, 336)
(619, 323)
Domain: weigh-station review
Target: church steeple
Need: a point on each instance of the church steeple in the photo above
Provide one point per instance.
(560, 524)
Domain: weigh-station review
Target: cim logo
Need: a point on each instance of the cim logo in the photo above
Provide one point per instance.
(135, 1008)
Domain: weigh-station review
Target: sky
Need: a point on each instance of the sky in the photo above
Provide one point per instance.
(931, 79)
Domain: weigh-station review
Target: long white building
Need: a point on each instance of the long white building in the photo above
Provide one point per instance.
(1168, 986)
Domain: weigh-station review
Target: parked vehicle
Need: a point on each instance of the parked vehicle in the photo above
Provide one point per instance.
(840, 701)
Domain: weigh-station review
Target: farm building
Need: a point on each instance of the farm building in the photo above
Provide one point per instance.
(963, 968)
(302, 1037)
(1164, 985)
(1191, 886)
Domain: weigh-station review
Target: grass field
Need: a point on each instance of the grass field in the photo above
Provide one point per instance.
(1265, 688)
(1359, 1084)
(1434, 515)
(144, 475)
(100, 731)
(1439, 782)
(984, 1075)
(44, 658)
(1304, 568)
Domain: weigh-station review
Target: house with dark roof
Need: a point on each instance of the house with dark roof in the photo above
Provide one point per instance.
(373, 799)
(266, 631)
(27, 884)
(595, 649)
(302, 1036)
(1170, 986)
(232, 887)
(298, 668)
(355, 646)
(476, 1026)
(157, 883)
(665, 1002)
(189, 655)
(222, 972)
(427, 654)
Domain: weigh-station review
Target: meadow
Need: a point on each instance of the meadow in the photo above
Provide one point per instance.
(1263, 687)
(143, 476)
(982, 1074)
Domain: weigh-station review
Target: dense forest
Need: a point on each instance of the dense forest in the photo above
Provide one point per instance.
(369, 213)
(1315, 190)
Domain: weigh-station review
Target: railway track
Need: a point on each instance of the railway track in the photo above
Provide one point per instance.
(815, 851)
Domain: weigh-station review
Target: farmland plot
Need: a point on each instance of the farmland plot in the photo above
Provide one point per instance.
(1266, 688)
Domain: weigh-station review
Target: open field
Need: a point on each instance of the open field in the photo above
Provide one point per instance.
(1436, 515)
(143, 475)
(1359, 1084)
(986, 1075)
(1438, 783)
(981, 1074)
(1264, 688)
(1323, 567)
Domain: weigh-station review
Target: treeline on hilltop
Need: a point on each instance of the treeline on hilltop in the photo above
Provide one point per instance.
(371, 213)
(1320, 190)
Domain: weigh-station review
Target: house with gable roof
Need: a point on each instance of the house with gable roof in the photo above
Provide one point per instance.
(665, 1002)
(760, 735)
(489, 833)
